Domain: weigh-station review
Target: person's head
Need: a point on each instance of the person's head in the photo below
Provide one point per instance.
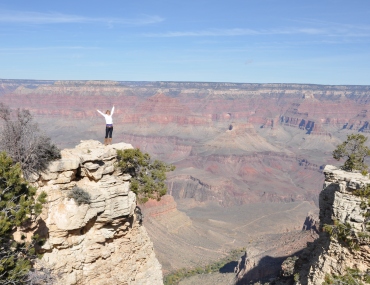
(107, 112)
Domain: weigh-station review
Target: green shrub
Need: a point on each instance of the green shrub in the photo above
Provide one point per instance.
(79, 195)
(364, 194)
(352, 277)
(355, 151)
(346, 235)
(148, 176)
(17, 207)
(343, 233)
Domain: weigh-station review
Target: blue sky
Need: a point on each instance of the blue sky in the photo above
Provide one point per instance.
(253, 41)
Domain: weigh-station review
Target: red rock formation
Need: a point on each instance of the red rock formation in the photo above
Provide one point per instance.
(302, 106)
(154, 208)
(236, 132)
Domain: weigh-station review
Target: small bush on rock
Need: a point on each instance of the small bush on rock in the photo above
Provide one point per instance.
(148, 176)
(353, 276)
(364, 194)
(344, 233)
(80, 196)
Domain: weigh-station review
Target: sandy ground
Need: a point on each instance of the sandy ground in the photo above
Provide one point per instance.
(210, 279)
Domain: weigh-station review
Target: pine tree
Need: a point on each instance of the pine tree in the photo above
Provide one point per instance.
(355, 151)
(148, 176)
(17, 206)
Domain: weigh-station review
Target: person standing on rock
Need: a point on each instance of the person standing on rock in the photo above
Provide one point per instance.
(109, 125)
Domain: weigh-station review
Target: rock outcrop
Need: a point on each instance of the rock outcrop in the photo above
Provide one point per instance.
(102, 241)
(347, 213)
(333, 256)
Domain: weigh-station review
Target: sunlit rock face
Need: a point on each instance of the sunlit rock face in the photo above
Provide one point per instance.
(337, 202)
(101, 241)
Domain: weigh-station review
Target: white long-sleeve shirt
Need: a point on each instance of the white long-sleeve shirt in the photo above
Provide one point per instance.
(108, 118)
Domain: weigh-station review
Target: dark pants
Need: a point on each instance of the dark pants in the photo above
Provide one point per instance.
(108, 132)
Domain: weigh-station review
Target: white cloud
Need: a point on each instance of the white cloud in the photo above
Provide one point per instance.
(211, 32)
(10, 16)
(238, 32)
(313, 31)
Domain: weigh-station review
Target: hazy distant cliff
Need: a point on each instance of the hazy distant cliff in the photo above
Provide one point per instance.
(103, 241)
(233, 132)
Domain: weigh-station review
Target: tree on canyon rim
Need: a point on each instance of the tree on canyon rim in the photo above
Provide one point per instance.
(22, 140)
(355, 151)
(148, 176)
(24, 152)
(18, 207)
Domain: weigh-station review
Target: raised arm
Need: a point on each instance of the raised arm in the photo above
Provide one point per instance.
(111, 113)
(101, 113)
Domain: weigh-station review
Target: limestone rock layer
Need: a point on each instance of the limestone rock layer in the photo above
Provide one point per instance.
(337, 203)
(102, 241)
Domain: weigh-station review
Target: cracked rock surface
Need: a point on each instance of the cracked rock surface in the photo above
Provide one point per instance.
(337, 202)
(100, 242)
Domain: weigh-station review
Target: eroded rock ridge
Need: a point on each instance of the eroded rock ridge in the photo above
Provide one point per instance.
(101, 241)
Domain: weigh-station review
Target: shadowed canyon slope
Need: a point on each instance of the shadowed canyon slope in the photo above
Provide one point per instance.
(233, 144)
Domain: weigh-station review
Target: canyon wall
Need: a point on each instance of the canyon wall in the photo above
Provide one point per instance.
(101, 240)
(207, 128)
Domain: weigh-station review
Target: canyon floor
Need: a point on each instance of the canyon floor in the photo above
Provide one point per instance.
(190, 236)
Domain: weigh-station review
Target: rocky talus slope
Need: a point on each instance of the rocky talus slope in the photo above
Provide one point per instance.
(337, 203)
(101, 242)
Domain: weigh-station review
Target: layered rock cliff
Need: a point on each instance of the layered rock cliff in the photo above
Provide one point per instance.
(101, 241)
(240, 133)
(330, 255)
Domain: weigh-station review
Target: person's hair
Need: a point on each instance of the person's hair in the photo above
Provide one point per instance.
(107, 112)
